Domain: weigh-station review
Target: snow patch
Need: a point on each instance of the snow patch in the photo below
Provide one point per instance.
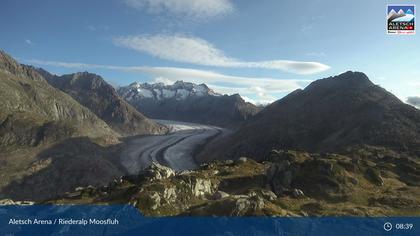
(182, 93)
(145, 93)
(168, 93)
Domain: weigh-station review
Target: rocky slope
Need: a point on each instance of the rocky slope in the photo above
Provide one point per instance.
(328, 115)
(363, 182)
(93, 92)
(43, 173)
(32, 111)
(188, 102)
(41, 129)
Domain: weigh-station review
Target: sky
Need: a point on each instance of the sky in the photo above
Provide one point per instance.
(262, 50)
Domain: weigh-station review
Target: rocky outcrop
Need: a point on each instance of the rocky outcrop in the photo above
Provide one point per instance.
(374, 176)
(293, 183)
(220, 195)
(294, 173)
(157, 171)
(8, 202)
(199, 187)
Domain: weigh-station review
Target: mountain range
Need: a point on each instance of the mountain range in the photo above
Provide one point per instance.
(189, 102)
(101, 98)
(342, 145)
(329, 115)
(60, 132)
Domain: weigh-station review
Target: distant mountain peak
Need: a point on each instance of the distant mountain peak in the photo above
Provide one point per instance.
(186, 101)
(344, 81)
(180, 90)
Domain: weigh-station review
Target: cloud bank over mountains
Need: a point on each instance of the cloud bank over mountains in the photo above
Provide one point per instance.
(185, 49)
(262, 88)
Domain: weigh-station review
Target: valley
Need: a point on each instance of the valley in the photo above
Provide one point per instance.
(176, 149)
(340, 146)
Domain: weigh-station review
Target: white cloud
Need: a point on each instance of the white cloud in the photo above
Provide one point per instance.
(241, 84)
(28, 41)
(247, 99)
(196, 9)
(262, 90)
(193, 50)
(63, 64)
(163, 80)
(262, 97)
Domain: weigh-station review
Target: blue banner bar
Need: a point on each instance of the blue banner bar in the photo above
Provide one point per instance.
(126, 220)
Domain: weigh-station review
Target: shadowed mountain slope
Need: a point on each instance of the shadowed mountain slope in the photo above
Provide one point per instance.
(32, 111)
(328, 115)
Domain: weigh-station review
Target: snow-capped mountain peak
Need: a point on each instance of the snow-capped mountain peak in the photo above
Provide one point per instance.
(180, 90)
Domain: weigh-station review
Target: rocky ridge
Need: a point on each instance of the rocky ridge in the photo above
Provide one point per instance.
(93, 92)
(364, 182)
(33, 112)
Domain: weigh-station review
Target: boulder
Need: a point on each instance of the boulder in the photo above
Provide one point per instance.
(279, 176)
(374, 176)
(242, 160)
(242, 205)
(263, 193)
(269, 195)
(154, 200)
(201, 187)
(157, 171)
(169, 195)
(248, 204)
(6, 202)
(229, 162)
(297, 193)
(220, 195)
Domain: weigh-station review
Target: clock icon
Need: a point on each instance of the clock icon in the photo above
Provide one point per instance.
(387, 226)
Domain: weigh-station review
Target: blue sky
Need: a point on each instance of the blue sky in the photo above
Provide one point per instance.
(260, 49)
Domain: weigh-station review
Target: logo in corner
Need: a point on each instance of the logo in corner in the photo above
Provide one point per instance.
(401, 19)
